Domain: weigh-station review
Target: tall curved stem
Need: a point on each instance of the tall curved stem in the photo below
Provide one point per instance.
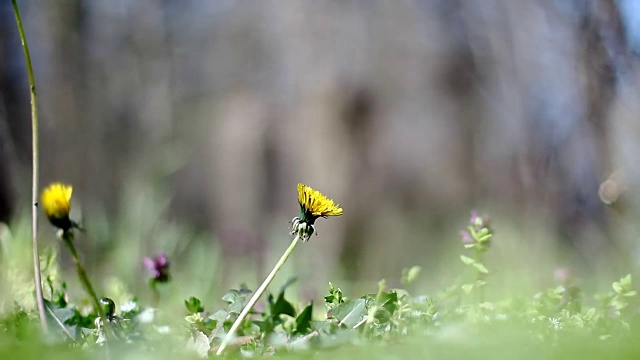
(35, 173)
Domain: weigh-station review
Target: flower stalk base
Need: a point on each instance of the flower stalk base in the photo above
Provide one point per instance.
(256, 296)
(67, 238)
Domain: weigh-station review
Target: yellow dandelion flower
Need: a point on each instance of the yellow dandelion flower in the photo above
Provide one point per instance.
(56, 202)
(313, 204)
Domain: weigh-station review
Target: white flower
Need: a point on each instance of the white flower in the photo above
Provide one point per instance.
(146, 316)
(165, 329)
(128, 306)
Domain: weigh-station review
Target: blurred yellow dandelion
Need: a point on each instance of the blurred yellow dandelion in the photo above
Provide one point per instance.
(56, 202)
(313, 204)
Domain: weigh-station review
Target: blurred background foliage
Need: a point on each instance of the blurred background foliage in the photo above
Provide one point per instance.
(185, 126)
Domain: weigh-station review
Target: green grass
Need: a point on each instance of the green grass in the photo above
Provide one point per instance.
(475, 314)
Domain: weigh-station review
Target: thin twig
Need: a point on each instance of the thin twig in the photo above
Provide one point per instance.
(34, 179)
(64, 328)
(257, 295)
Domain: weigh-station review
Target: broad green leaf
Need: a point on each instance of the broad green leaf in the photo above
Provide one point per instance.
(350, 313)
(199, 343)
(282, 306)
(63, 314)
(236, 299)
(219, 315)
(303, 321)
(389, 301)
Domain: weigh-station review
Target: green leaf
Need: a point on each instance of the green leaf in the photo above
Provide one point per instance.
(409, 275)
(326, 327)
(388, 301)
(350, 313)
(303, 321)
(589, 314)
(467, 288)
(480, 267)
(282, 306)
(617, 287)
(619, 304)
(385, 305)
(193, 305)
(382, 284)
(467, 260)
(330, 299)
(199, 343)
(277, 310)
(380, 314)
(335, 296)
(63, 314)
(623, 285)
(236, 299)
(219, 316)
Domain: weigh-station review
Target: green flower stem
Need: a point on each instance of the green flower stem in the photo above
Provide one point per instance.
(257, 295)
(34, 179)
(481, 276)
(156, 293)
(67, 237)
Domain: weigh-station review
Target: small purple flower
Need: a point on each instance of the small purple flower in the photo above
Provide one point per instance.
(561, 274)
(158, 266)
(479, 222)
(466, 237)
(478, 233)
